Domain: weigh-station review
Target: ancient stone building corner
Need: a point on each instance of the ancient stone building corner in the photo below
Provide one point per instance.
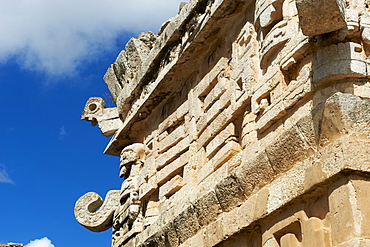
(11, 245)
(241, 123)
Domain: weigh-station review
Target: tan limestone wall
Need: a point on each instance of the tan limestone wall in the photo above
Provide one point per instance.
(332, 214)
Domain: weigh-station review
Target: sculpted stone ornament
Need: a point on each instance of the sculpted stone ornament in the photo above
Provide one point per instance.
(107, 118)
(129, 156)
(127, 219)
(121, 208)
(95, 220)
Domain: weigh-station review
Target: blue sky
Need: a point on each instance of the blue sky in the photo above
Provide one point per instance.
(53, 55)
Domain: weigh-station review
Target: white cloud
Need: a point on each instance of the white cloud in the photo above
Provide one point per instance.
(43, 242)
(62, 132)
(4, 176)
(56, 36)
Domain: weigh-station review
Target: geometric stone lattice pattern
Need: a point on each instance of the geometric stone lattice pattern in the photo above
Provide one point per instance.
(241, 123)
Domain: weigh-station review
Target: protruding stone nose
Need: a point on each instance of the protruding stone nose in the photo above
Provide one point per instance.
(94, 213)
(96, 113)
(94, 107)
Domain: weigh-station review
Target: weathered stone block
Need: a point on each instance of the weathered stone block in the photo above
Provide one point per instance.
(286, 187)
(246, 211)
(249, 139)
(186, 224)
(342, 214)
(346, 114)
(204, 171)
(220, 139)
(254, 173)
(361, 188)
(287, 150)
(112, 82)
(230, 223)
(314, 174)
(309, 126)
(207, 208)
(172, 153)
(171, 238)
(172, 168)
(170, 140)
(229, 193)
(171, 186)
(148, 188)
(148, 170)
(320, 16)
(220, 122)
(214, 234)
(216, 92)
(230, 149)
(218, 106)
(197, 240)
(210, 182)
(315, 233)
(261, 206)
(157, 240)
(353, 157)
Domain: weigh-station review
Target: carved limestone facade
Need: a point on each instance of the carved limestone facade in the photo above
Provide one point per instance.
(241, 123)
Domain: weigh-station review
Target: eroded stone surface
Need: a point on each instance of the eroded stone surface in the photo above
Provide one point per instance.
(320, 16)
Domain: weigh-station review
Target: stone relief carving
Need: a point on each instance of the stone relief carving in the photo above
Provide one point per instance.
(279, 33)
(95, 220)
(121, 208)
(107, 118)
(128, 218)
(245, 60)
